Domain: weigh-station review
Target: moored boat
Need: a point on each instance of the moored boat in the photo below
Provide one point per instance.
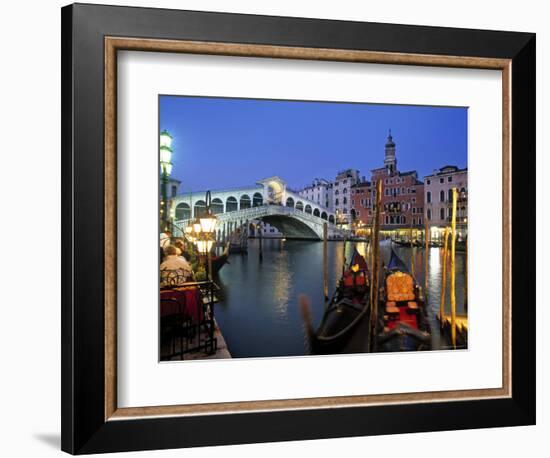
(404, 324)
(346, 309)
(219, 261)
(237, 248)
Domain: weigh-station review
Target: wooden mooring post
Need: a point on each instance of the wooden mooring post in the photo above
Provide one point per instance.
(466, 277)
(443, 279)
(261, 240)
(453, 270)
(344, 256)
(325, 261)
(412, 250)
(426, 256)
(375, 271)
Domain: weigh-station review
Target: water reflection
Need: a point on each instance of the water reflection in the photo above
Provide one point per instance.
(282, 283)
(259, 313)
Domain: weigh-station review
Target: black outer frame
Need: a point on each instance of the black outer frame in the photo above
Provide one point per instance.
(84, 429)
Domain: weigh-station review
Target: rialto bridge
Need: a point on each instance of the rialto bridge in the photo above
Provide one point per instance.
(269, 201)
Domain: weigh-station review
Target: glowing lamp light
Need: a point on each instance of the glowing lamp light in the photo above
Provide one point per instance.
(165, 139)
(165, 155)
(208, 223)
(197, 226)
(204, 246)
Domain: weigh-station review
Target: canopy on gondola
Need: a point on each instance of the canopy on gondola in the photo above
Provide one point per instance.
(358, 263)
(396, 264)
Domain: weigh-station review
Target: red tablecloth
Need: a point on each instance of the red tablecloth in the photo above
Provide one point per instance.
(188, 298)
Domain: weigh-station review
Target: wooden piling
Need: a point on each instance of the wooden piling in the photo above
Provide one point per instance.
(325, 260)
(466, 277)
(261, 240)
(412, 249)
(443, 279)
(371, 254)
(426, 255)
(344, 256)
(375, 271)
(453, 270)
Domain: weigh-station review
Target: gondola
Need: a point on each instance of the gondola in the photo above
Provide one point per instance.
(405, 243)
(219, 261)
(238, 248)
(404, 324)
(346, 309)
(238, 242)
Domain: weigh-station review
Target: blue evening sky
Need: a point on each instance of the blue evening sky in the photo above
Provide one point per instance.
(223, 143)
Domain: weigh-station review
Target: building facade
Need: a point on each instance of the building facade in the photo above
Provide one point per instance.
(402, 200)
(320, 192)
(362, 204)
(341, 195)
(438, 197)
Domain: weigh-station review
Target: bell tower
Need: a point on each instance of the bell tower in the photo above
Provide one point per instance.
(390, 162)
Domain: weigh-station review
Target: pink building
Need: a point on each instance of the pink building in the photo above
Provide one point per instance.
(438, 197)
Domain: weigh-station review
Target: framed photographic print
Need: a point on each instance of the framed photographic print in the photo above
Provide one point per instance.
(271, 222)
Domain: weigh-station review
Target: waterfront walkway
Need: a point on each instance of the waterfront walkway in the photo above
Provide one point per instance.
(222, 351)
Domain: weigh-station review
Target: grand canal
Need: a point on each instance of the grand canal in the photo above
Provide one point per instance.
(259, 314)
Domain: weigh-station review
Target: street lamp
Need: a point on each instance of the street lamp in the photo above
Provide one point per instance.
(208, 220)
(165, 171)
(202, 232)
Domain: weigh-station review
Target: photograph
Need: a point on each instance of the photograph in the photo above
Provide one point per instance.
(294, 228)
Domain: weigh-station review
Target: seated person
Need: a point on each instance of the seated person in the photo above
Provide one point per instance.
(180, 244)
(174, 270)
(164, 242)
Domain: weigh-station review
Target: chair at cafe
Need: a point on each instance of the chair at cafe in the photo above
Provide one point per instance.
(170, 278)
(176, 326)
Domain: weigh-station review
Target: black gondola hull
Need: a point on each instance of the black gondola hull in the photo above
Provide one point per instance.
(335, 332)
(404, 338)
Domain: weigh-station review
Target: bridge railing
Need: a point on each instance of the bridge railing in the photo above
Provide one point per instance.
(261, 211)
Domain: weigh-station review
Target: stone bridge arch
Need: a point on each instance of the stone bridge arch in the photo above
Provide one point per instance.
(291, 228)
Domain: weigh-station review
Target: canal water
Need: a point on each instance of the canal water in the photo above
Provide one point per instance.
(259, 314)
